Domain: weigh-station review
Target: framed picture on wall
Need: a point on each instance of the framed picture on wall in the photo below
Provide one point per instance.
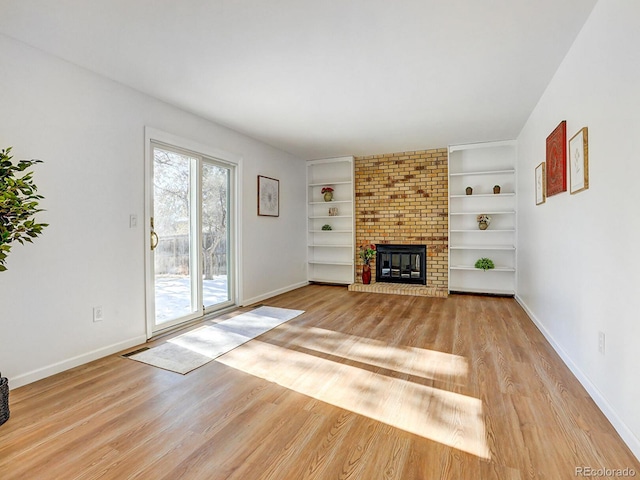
(579, 161)
(268, 196)
(541, 184)
(556, 168)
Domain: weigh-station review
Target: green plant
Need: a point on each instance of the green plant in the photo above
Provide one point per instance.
(18, 204)
(367, 252)
(485, 264)
(327, 227)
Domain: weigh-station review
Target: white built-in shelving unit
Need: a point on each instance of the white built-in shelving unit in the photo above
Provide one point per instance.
(481, 166)
(330, 257)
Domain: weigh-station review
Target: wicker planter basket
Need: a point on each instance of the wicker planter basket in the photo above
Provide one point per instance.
(4, 400)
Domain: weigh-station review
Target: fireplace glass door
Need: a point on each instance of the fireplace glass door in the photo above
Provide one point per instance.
(401, 263)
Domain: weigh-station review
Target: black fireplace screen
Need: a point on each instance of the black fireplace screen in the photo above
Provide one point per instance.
(401, 263)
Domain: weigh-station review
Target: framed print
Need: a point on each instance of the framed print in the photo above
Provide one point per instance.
(556, 168)
(579, 162)
(541, 184)
(268, 196)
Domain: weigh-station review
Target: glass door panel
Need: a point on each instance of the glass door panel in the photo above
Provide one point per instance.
(216, 284)
(173, 220)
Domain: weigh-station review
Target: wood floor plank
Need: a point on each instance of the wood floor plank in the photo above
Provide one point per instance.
(361, 386)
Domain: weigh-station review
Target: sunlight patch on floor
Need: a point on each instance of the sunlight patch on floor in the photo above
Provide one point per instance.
(428, 364)
(446, 417)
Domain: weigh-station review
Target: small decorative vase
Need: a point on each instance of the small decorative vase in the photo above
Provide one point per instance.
(328, 196)
(469, 190)
(496, 189)
(366, 274)
(483, 225)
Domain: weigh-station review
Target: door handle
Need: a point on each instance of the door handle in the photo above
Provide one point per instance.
(154, 237)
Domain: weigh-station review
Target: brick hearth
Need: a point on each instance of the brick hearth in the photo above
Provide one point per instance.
(398, 289)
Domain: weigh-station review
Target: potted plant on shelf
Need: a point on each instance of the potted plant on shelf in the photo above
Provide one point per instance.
(327, 192)
(483, 221)
(326, 227)
(485, 264)
(367, 252)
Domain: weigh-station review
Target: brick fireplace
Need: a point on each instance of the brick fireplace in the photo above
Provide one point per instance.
(402, 199)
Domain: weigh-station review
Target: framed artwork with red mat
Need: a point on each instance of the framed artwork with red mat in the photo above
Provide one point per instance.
(557, 160)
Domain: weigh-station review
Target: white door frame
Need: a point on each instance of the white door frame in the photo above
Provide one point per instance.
(235, 207)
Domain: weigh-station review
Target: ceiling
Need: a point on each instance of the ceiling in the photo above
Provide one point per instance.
(321, 78)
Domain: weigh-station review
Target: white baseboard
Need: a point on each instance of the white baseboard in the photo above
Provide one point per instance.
(259, 298)
(40, 373)
(627, 435)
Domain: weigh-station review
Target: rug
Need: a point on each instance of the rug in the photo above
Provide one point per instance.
(197, 347)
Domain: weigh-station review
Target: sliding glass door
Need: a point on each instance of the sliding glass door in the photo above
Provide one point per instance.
(215, 235)
(190, 254)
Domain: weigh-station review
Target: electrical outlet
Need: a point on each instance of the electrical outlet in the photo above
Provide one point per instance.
(98, 314)
(133, 220)
(601, 342)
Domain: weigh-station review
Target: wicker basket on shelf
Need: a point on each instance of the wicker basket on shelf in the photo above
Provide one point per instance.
(4, 400)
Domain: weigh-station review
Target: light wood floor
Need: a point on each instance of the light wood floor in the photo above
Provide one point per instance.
(360, 386)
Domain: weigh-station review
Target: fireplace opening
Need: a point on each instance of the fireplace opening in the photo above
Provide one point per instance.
(401, 263)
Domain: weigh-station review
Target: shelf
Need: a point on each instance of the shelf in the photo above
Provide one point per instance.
(329, 262)
(330, 246)
(481, 166)
(330, 280)
(332, 201)
(487, 172)
(473, 146)
(469, 267)
(474, 230)
(330, 253)
(481, 290)
(482, 247)
(328, 184)
(510, 194)
(506, 212)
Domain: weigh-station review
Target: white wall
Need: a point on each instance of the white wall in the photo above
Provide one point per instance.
(579, 257)
(90, 133)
